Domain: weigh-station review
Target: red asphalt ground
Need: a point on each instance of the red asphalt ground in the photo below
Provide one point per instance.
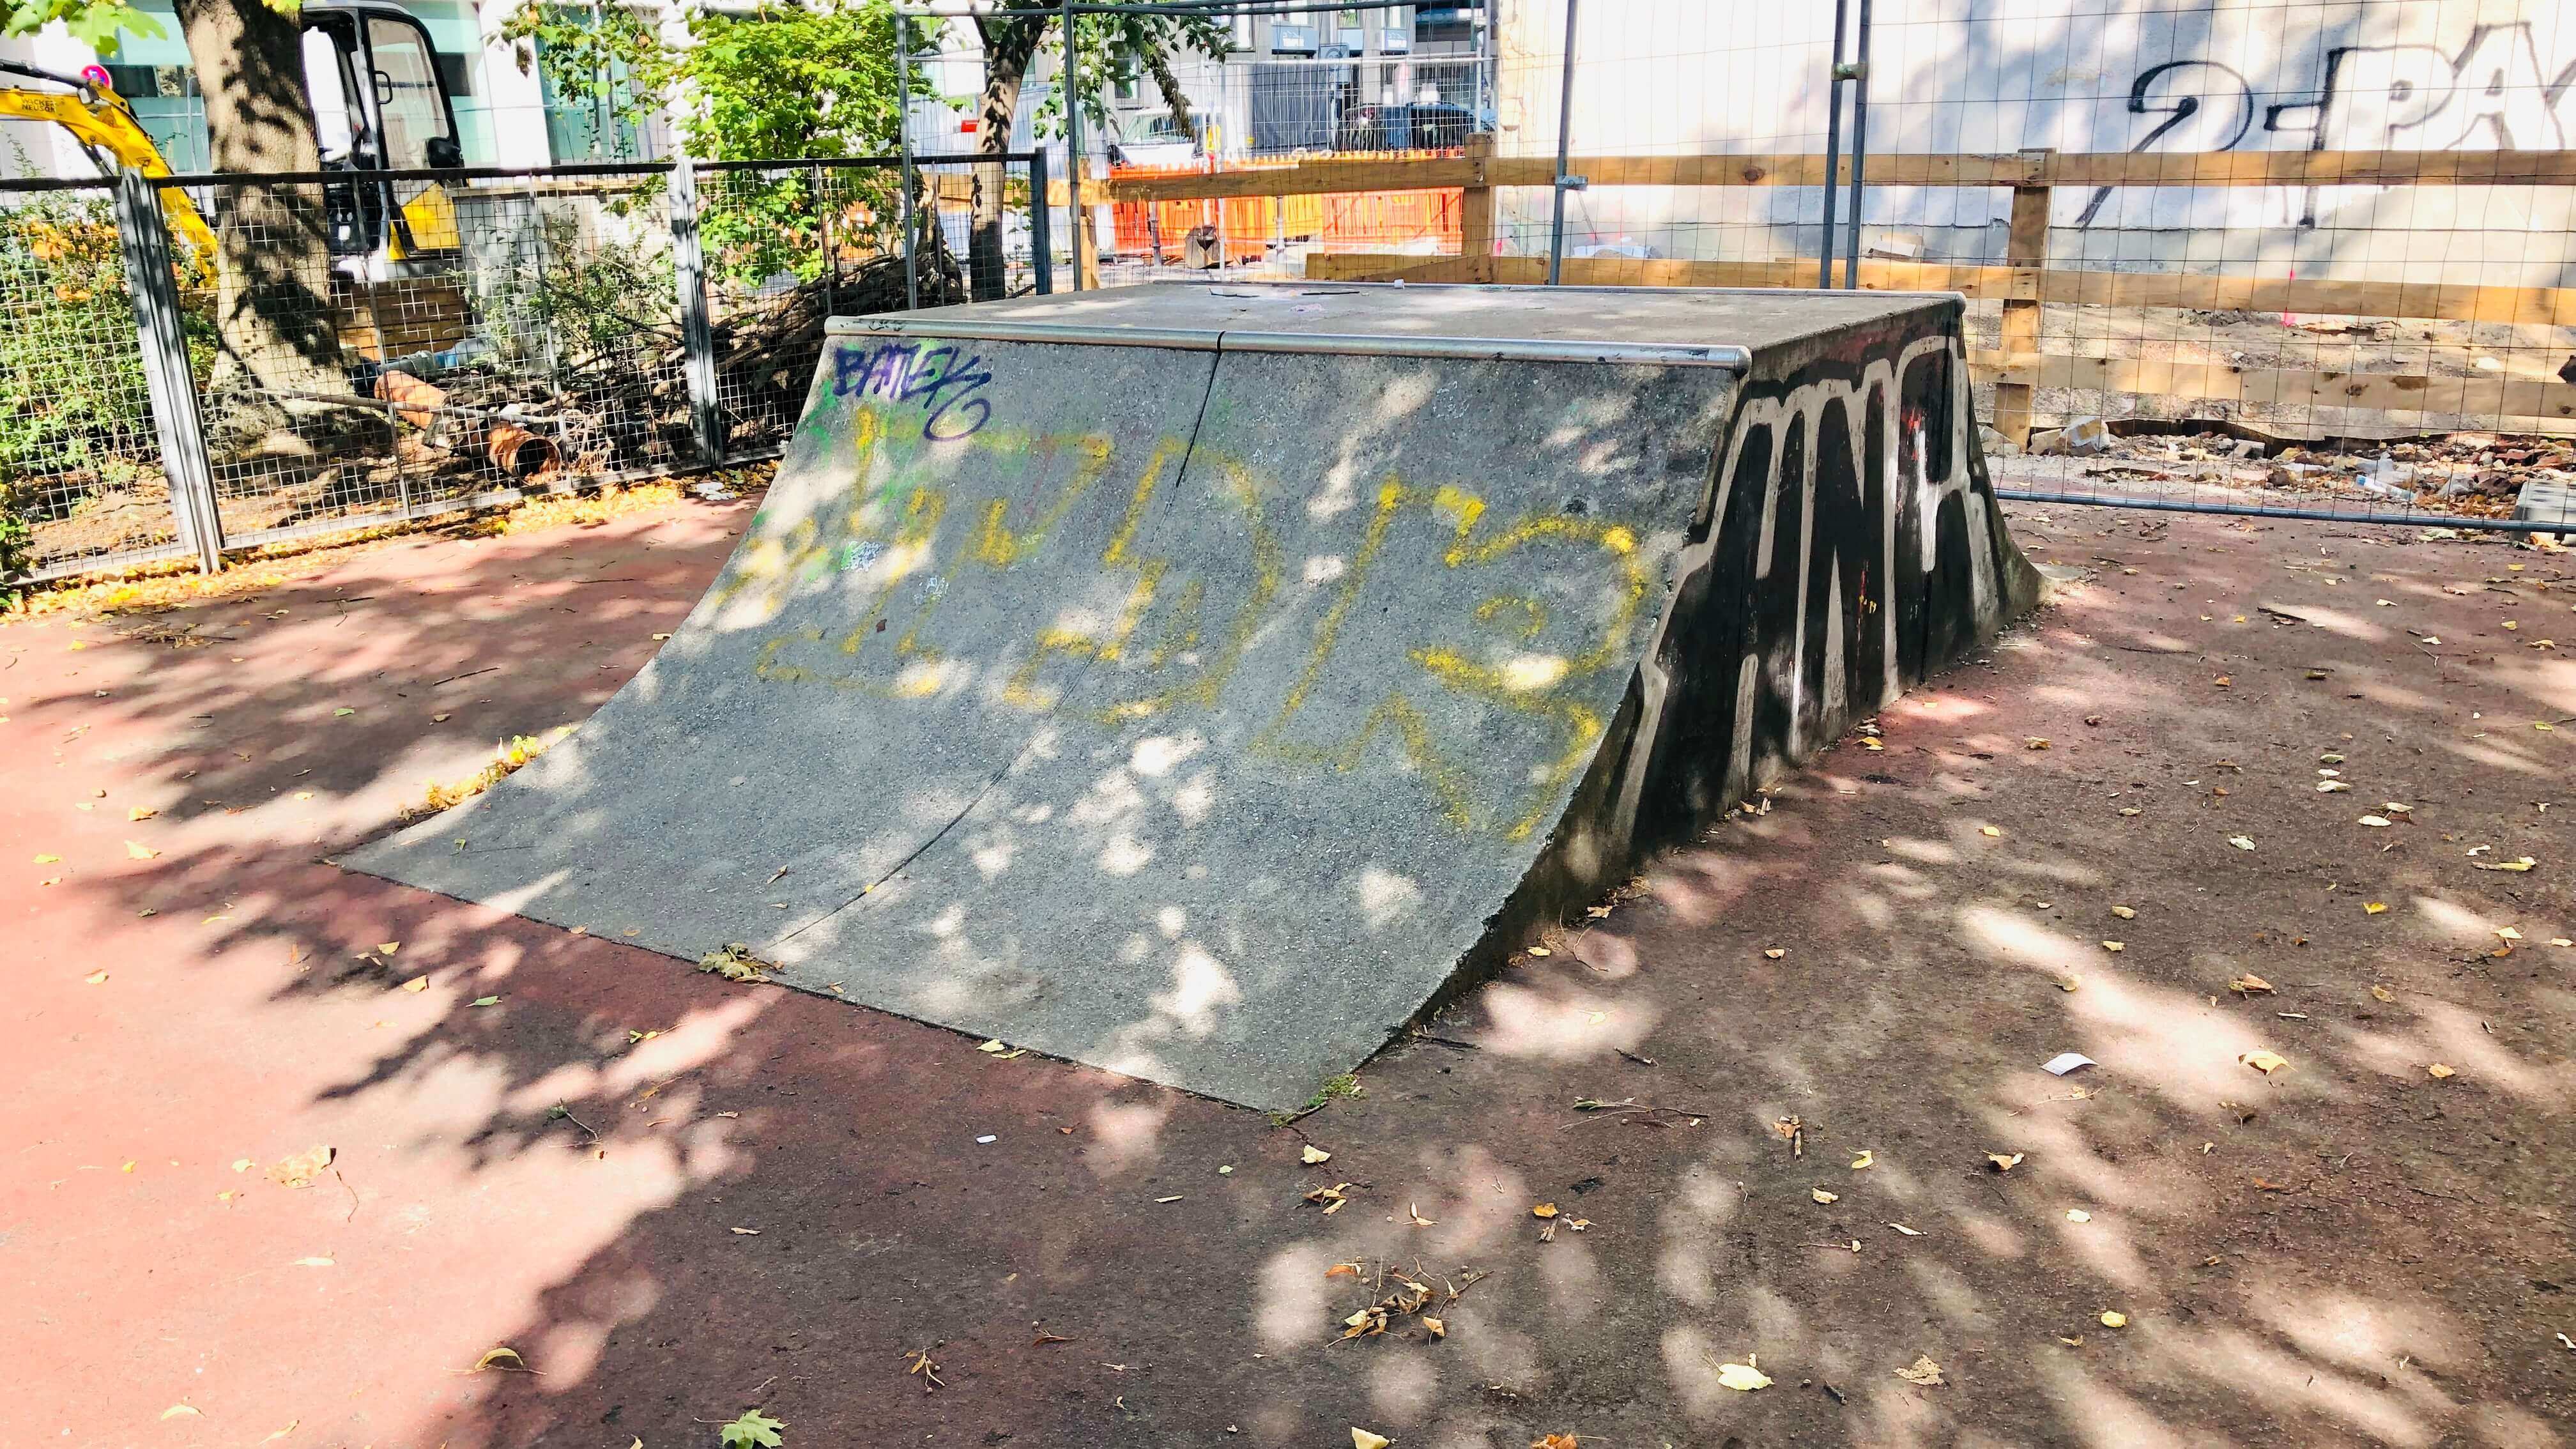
(778, 1196)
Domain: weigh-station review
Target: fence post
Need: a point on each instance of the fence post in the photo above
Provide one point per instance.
(1041, 212)
(145, 241)
(1476, 211)
(2026, 252)
(903, 150)
(697, 338)
(1564, 138)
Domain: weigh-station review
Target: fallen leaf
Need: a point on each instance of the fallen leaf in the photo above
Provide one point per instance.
(2375, 822)
(2078, 1215)
(2115, 945)
(182, 1411)
(1909, 1232)
(1774, 952)
(1313, 1154)
(140, 851)
(2264, 1061)
(1553, 1441)
(2508, 933)
(2438, 1071)
(310, 1263)
(1413, 1212)
(416, 984)
(493, 1356)
(1820, 1195)
(342, 712)
(1540, 951)
(2124, 913)
(2524, 864)
(2331, 787)
(2002, 1163)
(2382, 993)
(1742, 1377)
(2034, 742)
(2241, 842)
(48, 860)
(2115, 1320)
(2248, 984)
(2374, 908)
(994, 1046)
(1363, 1439)
(485, 1001)
(141, 812)
(1544, 1210)
(389, 947)
(1922, 1371)
(96, 978)
(303, 1169)
(1981, 830)
(746, 1232)
(1862, 1161)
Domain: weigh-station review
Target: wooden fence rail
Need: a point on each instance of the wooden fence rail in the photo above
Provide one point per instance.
(2025, 282)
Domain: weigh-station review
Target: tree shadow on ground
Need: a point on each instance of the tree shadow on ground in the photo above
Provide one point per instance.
(777, 1197)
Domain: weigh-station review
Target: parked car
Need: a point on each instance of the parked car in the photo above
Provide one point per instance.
(1417, 127)
(1153, 141)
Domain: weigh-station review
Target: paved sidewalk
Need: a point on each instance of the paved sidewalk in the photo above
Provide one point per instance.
(776, 1198)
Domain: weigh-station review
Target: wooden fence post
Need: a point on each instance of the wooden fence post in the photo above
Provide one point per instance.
(2026, 252)
(1476, 216)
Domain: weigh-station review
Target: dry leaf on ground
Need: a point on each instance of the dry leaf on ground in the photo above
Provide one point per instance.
(303, 1169)
(2264, 1061)
(2248, 984)
(1363, 1439)
(1863, 1160)
(2115, 1320)
(1922, 1371)
(2438, 1071)
(1742, 1377)
(1820, 1195)
(1313, 1154)
(1543, 1210)
(2001, 1163)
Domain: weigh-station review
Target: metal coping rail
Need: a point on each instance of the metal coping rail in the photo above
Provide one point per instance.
(1500, 349)
(570, 171)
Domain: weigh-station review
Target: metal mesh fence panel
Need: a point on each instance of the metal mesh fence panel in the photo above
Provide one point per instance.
(80, 464)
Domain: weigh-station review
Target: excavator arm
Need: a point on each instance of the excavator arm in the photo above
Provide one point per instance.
(100, 120)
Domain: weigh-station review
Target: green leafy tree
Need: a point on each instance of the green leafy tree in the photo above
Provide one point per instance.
(782, 82)
(1012, 35)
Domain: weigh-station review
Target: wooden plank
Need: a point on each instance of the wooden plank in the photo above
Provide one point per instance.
(2483, 398)
(2212, 168)
(1476, 212)
(2552, 306)
(2025, 248)
(1308, 178)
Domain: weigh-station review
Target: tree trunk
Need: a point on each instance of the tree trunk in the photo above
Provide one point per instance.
(1008, 47)
(272, 304)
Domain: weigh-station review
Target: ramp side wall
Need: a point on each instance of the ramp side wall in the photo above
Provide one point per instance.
(1849, 548)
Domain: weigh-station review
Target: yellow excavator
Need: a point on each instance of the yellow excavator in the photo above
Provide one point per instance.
(379, 104)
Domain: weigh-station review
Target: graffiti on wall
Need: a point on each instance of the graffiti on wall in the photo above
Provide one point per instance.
(1850, 520)
(2494, 93)
(1107, 631)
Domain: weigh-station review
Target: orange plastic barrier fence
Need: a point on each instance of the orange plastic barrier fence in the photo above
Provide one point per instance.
(1251, 225)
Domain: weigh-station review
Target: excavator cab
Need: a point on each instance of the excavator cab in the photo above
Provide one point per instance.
(380, 105)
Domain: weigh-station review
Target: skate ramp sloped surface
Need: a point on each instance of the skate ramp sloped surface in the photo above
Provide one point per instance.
(1149, 680)
(1184, 714)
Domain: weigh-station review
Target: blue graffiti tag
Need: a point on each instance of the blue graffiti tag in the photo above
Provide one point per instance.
(944, 379)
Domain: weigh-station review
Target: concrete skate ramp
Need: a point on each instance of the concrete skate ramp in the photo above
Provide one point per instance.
(1195, 681)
